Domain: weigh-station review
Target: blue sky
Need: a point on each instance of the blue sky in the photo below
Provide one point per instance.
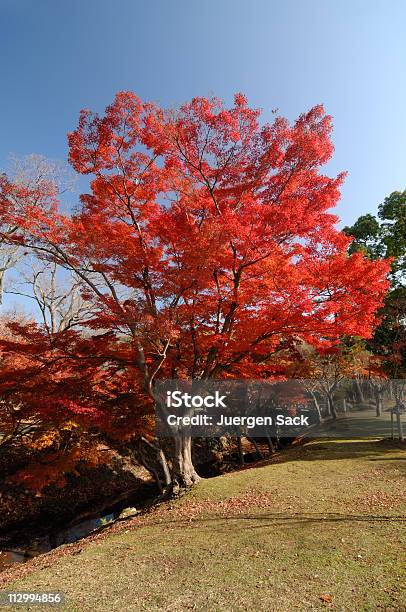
(57, 57)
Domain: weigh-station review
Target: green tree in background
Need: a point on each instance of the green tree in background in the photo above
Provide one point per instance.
(385, 236)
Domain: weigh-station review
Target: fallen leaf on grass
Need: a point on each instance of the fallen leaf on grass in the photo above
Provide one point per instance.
(326, 598)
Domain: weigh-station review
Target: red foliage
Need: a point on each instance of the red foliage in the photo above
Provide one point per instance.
(208, 245)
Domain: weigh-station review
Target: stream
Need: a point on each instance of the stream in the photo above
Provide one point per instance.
(38, 546)
(31, 541)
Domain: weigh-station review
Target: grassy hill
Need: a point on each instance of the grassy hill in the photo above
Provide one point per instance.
(321, 527)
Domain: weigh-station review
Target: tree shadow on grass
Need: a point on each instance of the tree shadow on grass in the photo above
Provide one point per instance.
(358, 426)
(331, 447)
(388, 459)
(273, 519)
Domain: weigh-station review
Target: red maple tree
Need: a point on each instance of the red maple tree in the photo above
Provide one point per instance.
(206, 244)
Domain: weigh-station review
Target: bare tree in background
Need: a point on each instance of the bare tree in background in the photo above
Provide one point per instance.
(56, 293)
(32, 170)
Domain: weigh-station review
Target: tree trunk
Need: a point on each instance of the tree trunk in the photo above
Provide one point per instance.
(270, 444)
(184, 474)
(155, 462)
(271, 441)
(400, 428)
(378, 404)
(332, 408)
(390, 390)
(316, 404)
(360, 393)
(240, 451)
(257, 449)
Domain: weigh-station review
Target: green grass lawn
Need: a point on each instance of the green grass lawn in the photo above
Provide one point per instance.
(321, 527)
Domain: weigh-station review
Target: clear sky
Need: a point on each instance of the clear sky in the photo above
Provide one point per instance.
(59, 56)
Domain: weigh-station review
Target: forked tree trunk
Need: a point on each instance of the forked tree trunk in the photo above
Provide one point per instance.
(183, 474)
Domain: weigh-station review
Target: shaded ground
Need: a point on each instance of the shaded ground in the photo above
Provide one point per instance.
(321, 527)
(364, 423)
(26, 513)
